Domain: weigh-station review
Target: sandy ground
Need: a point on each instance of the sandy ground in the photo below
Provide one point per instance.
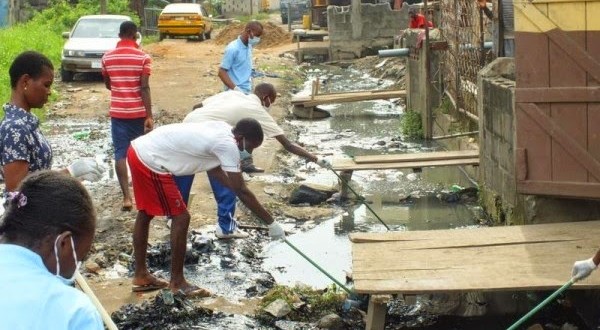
(184, 73)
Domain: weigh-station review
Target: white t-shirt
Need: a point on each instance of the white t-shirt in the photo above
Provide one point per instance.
(230, 107)
(188, 148)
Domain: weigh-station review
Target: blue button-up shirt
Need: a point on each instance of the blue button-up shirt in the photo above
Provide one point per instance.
(33, 298)
(21, 139)
(237, 60)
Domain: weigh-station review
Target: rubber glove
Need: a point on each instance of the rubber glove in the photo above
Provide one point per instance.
(583, 268)
(86, 169)
(276, 231)
(324, 163)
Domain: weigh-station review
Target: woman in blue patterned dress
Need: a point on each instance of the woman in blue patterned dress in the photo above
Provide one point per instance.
(23, 147)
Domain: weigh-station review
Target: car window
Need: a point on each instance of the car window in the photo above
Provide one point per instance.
(97, 28)
(203, 12)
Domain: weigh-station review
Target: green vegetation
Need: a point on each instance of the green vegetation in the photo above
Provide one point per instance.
(257, 17)
(411, 125)
(43, 33)
(315, 304)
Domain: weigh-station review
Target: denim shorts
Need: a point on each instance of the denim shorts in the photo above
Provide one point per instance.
(123, 132)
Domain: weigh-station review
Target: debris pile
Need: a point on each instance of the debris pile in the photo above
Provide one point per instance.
(272, 35)
(166, 311)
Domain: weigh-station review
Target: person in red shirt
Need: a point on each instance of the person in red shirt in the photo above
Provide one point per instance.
(417, 21)
(126, 71)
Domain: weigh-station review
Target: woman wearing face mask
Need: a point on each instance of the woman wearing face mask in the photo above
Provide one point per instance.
(235, 70)
(23, 147)
(46, 231)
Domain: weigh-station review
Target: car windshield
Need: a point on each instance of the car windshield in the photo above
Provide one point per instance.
(97, 28)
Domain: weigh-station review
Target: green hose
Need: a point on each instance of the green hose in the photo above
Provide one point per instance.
(362, 199)
(350, 292)
(541, 305)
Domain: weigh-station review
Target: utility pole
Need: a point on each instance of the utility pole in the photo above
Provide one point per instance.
(102, 7)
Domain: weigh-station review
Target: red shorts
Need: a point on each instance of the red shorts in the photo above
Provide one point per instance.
(155, 193)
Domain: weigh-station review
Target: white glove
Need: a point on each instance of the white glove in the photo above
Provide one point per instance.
(324, 163)
(583, 268)
(86, 169)
(275, 230)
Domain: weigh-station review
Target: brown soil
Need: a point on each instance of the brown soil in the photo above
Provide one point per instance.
(273, 35)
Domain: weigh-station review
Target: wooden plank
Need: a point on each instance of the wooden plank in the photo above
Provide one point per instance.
(571, 146)
(422, 156)
(347, 97)
(593, 47)
(481, 236)
(376, 315)
(558, 94)
(460, 260)
(567, 189)
(349, 164)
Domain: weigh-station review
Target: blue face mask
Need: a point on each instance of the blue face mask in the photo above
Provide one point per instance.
(244, 154)
(254, 41)
(66, 281)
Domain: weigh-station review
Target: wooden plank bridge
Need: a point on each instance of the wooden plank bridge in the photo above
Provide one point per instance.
(412, 160)
(531, 257)
(318, 99)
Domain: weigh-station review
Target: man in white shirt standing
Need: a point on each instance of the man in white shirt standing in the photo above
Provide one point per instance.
(185, 149)
(230, 107)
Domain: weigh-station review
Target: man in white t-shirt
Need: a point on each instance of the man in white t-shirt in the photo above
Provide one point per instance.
(185, 149)
(230, 107)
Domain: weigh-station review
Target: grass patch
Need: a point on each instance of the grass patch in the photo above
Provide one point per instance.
(314, 304)
(411, 125)
(43, 33)
(257, 17)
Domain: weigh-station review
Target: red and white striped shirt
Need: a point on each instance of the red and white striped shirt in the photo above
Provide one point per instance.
(125, 66)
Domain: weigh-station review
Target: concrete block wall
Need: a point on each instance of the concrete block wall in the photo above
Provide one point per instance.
(362, 28)
(241, 7)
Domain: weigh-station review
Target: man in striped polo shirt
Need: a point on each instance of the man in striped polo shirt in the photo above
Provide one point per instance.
(126, 72)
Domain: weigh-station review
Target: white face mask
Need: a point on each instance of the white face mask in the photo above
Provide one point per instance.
(244, 154)
(67, 281)
(254, 41)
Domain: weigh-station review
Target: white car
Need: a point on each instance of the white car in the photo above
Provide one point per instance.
(91, 37)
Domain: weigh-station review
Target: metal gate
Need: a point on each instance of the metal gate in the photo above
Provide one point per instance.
(150, 24)
(558, 97)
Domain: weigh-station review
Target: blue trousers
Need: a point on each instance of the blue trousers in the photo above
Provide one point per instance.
(224, 196)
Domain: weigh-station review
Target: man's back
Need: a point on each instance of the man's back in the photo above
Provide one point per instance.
(231, 107)
(125, 66)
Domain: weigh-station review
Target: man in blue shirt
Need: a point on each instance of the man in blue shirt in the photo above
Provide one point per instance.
(236, 68)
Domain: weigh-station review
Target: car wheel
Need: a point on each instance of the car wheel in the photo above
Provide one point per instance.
(201, 36)
(161, 36)
(207, 35)
(66, 76)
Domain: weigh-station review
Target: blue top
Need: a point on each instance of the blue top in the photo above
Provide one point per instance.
(33, 298)
(21, 139)
(237, 60)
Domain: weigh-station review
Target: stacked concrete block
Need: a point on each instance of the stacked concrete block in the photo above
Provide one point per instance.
(360, 28)
(241, 7)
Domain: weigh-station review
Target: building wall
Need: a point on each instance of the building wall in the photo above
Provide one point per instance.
(497, 138)
(361, 29)
(241, 7)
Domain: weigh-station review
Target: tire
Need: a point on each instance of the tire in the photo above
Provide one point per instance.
(161, 36)
(201, 36)
(207, 35)
(66, 76)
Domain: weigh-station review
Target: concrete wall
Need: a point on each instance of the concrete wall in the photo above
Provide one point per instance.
(497, 171)
(241, 7)
(361, 29)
